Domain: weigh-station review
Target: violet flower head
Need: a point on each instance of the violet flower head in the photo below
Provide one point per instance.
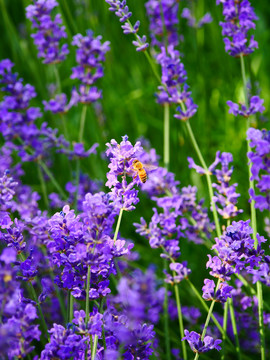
(163, 16)
(90, 55)
(7, 189)
(192, 22)
(199, 346)
(180, 272)
(255, 106)
(121, 10)
(260, 166)
(221, 295)
(239, 19)
(121, 164)
(174, 88)
(64, 344)
(225, 196)
(49, 33)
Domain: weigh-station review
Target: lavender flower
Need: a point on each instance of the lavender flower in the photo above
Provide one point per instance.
(260, 166)
(256, 105)
(206, 19)
(174, 88)
(49, 31)
(64, 344)
(121, 10)
(90, 55)
(121, 158)
(199, 346)
(239, 19)
(226, 195)
(163, 16)
(221, 295)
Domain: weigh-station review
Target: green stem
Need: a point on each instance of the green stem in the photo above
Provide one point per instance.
(180, 319)
(82, 123)
(254, 223)
(234, 327)
(208, 178)
(81, 131)
(225, 323)
(71, 307)
(118, 225)
(196, 292)
(53, 180)
(94, 349)
(166, 319)
(166, 146)
(43, 186)
(87, 294)
(208, 319)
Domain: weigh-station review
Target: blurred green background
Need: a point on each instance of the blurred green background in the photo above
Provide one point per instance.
(129, 107)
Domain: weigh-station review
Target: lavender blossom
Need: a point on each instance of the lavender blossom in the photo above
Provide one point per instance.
(239, 19)
(221, 295)
(260, 166)
(64, 344)
(199, 346)
(121, 10)
(226, 196)
(49, 31)
(256, 105)
(206, 19)
(174, 88)
(163, 16)
(90, 55)
(121, 158)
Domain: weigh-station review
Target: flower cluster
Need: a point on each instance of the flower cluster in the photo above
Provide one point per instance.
(49, 31)
(17, 314)
(236, 252)
(163, 16)
(121, 10)
(239, 19)
(89, 56)
(121, 164)
(260, 166)
(226, 195)
(199, 346)
(206, 19)
(255, 106)
(174, 89)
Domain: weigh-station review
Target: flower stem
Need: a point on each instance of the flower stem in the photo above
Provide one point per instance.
(71, 307)
(53, 180)
(166, 319)
(94, 349)
(58, 83)
(87, 294)
(208, 178)
(180, 319)
(118, 225)
(254, 223)
(43, 186)
(82, 122)
(234, 327)
(225, 323)
(81, 131)
(196, 292)
(166, 146)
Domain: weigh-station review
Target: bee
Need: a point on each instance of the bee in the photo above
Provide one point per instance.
(140, 169)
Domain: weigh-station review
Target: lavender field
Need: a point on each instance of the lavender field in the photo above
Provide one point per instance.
(134, 180)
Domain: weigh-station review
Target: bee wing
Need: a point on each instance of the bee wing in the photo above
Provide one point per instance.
(150, 167)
